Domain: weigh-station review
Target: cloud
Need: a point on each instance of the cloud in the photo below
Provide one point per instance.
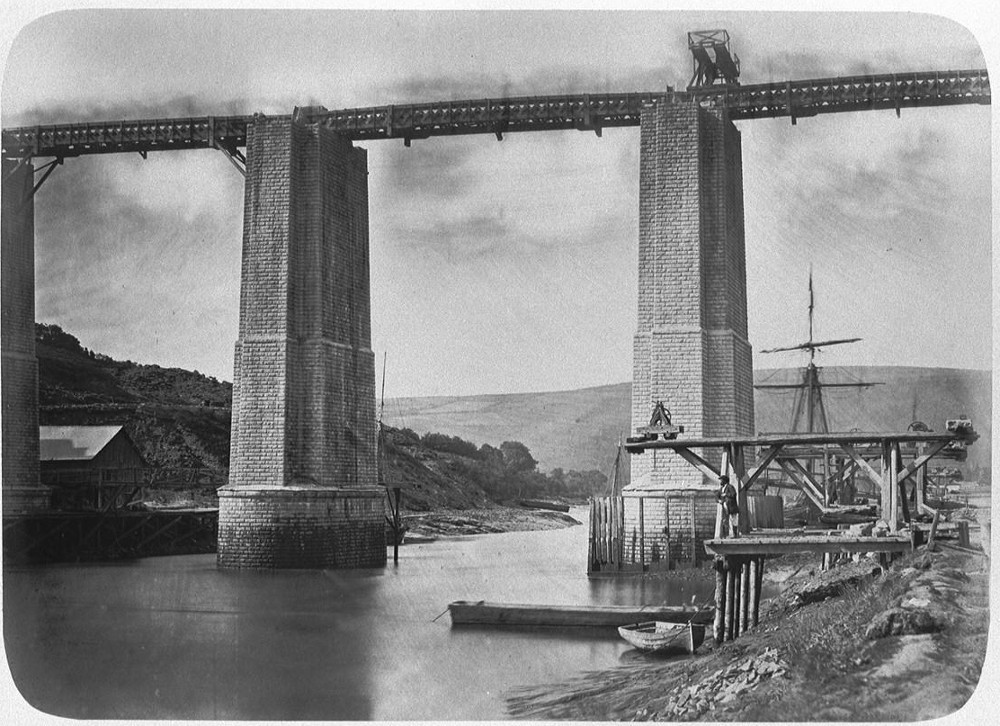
(432, 168)
(100, 110)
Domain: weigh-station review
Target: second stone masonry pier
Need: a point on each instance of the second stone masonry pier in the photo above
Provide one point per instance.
(691, 350)
(302, 483)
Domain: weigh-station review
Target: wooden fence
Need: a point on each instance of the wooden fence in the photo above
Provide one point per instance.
(614, 549)
(765, 512)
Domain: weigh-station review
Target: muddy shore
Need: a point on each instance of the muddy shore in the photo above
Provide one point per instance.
(422, 526)
(855, 643)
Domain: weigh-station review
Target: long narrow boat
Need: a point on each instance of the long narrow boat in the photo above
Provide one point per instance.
(664, 638)
(464, 612)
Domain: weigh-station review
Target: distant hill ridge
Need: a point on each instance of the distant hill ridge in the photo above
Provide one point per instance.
(580, 428)
(183, 417)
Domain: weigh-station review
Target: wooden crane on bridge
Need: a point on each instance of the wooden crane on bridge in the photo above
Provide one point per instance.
(713, 59)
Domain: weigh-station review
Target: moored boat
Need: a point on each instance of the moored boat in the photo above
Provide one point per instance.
(538, 504)
(465, 612)
(664, 638)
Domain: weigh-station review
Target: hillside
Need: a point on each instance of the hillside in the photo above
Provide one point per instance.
(579, 428)
(182, 418)
(177, 418)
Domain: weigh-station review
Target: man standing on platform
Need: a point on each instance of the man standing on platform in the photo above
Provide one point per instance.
(726, 496)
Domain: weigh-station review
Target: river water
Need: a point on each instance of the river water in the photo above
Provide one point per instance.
(175, 637)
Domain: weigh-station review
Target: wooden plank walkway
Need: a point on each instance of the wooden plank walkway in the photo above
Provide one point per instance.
(770, 545)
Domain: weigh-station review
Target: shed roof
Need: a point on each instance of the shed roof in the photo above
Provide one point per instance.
(74, 443)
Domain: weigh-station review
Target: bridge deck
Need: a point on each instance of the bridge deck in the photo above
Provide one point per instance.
(805, 440)
(594, 112)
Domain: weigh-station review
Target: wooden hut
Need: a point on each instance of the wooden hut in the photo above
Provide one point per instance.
(81, 463)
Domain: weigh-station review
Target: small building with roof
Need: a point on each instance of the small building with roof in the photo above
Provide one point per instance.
(77, 461)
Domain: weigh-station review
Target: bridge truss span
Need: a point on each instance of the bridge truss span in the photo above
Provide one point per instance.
(798, 99)
(585, 112)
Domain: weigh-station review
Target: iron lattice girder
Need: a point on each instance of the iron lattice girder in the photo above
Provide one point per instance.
(851, 93)
(496, 116)
(112, 137)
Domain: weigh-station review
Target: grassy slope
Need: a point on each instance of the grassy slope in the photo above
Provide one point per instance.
(177, 418)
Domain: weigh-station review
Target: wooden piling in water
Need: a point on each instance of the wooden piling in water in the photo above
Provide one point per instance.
(719, 626)
(758, 585)
(738, 584)
(744, 594)
(731, 582)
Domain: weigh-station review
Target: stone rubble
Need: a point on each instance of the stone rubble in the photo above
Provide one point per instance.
(719, 688)
(928, 605)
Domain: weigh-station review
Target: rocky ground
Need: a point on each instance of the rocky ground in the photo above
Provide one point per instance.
(854, 643)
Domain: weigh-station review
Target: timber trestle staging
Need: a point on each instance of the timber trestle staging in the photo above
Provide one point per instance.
(739, 561)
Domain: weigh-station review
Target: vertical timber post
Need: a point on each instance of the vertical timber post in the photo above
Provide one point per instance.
(760, 585)
(731, 587)
(886, 497)
(744, 593)
(719, 624)
(642, 536)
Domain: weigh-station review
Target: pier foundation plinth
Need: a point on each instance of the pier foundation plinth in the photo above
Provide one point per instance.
(301, 526)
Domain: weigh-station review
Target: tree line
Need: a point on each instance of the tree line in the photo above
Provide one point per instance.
(505, 472)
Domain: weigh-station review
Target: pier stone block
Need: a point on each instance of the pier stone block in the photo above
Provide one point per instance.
(22, 491)
(690, 348)
(302, 488)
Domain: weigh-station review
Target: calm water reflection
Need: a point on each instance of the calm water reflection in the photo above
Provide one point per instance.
(175, 637)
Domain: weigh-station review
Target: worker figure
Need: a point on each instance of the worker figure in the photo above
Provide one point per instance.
(726, 496)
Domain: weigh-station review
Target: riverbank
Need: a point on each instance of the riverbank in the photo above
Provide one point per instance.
(851, 644)
(485, 520)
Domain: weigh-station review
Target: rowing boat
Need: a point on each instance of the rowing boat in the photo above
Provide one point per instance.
(464, 612)
(664, 638)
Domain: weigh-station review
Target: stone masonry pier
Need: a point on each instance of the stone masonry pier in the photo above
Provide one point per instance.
(302, 489)
(302, 480)
(691, 350)
(22, 492)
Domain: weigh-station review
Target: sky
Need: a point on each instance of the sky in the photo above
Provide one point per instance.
(509, 266)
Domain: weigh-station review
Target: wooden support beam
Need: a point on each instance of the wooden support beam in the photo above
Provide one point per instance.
(758, 588)
(936, 448)
(642, 533)
(734, 565)
(760, 466)
(863, 465)
(893, 487)
(744, 594)
(887, 500)
(934, 526)
(730, 596)
(694, 536)
(793, 474)
(921, 485)
(842, 471)
(718, 625)
(826, 543)
(665, 559)
(817, 486)
(900, 482)
(737, 473)
(697, 462)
